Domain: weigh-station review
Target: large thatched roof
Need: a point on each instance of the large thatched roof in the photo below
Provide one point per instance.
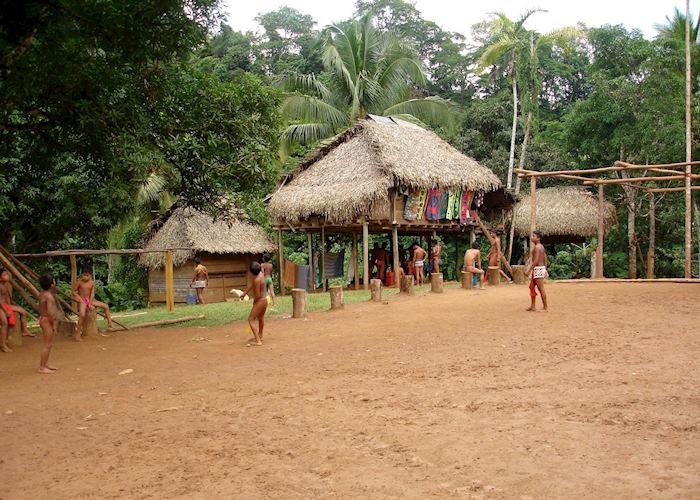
(344, 178)
(563, 211)
(198, 232)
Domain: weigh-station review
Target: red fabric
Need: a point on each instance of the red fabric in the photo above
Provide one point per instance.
(11, 320)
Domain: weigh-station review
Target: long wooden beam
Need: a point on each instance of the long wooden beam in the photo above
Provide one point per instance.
(671, 189)
(661, 165)
(121, 251)
(617, 167)
(636, 179)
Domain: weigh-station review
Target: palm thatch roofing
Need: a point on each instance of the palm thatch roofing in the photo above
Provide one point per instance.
(198, 232)
(347, 176)
(563, 211)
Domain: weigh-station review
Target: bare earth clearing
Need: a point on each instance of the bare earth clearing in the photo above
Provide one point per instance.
(460, 395)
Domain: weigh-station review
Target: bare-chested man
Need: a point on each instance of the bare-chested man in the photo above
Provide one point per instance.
(84, 294)
(418, 256)
(47, 320)
(257, 313)
(200, 279)
(11, 310)
(436, 254)
(266, 267)
(537, 270)
(472, 263)
(381, 258)
(494, 256)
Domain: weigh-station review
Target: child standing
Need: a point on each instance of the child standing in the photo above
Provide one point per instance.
(267, 271)
(257, 313)
(47, 320)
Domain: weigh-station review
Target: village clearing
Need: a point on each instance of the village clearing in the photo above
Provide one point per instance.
(458, 395)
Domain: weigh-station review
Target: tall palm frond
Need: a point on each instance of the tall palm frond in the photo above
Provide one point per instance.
(432, 110)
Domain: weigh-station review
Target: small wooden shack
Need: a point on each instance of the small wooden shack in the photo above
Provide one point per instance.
(225, 247)
(564, 215)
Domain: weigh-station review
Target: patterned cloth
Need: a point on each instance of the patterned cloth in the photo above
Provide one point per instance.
(443, 204)
(454, 199)
(414, 204)
(479, 199)
(464, 214)
(432, 206)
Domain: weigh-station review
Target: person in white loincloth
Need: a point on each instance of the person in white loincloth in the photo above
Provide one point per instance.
(537, 270)
(200, 279)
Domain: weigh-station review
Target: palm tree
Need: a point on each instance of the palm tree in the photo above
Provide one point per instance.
(508, 40)
(673, 32)
(366, 71)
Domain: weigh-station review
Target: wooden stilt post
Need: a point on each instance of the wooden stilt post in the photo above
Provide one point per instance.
(652, 236)
(688, 146)
(365, 254)
(312, 274)
(472, 235)
(533, 205)
(280, 261)
(169, 282)
(355, 260)
(395, 248)
(457, 270)
(322, 260)
(601, 233)
(73, 271)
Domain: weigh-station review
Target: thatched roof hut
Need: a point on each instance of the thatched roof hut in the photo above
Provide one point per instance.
(563, 213)
(353, 174)
(197, 232)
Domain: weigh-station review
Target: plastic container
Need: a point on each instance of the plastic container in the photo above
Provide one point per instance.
(390, 279)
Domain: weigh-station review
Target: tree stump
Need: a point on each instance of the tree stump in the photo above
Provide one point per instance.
(519, 277)
(336, 293)
(65, 327)
(375, 286)
(436, 282)
(408, 285)
(467, 280)
(89, 326)
(298, 303)
(494, 275)
(14, 334)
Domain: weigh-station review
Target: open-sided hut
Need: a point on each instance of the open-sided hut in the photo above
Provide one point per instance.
(225, 247)
(361, 180)
(564, 215)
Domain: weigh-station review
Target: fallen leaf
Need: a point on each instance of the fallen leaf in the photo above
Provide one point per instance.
(89, 417)
(101, 393)
(169, 408)
(127, 371)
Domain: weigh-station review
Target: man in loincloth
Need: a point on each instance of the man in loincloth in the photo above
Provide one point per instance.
(257, 312)
(472, 263)
(84, 295)
(537, 270)
(11, 310)
(381, 258)
(200, 279)
(494, 256)
(436, 253)
(418, 256)
(267, 272)
(47, 320)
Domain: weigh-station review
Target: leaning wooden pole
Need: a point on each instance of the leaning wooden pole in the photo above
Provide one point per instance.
(688, 147)
(365, 254)
(73, 271)
(601, 232)
(652, 236)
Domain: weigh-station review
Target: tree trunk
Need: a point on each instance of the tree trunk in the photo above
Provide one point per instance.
(511, 159)
(298, 303)
(518, 180)
(436, 282)
(631, 202)
(688, 145)
(376, 289)
(336, 293)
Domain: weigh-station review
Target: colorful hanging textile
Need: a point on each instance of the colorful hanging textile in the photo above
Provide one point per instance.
(333, 264)
(454, 199)
(290, 274)
(432, 206)
(464, 215)
(415, 201)
(445, 198)
(479, 199)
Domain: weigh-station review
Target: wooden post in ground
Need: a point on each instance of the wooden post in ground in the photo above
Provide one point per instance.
(519, 277)
(688, 145)
(533, 206)
(322, 260)
(494, 275)
(408, 285)
(312, 274)
(355, 260)
(467, 280)
(601, 232)
(298, 303)
(436, 282)
(73, 271)
(365, 254)
(376, 286)
(14, 334)
(456, 275)
(89, 326)
(280, 261)
(652, 236)
(336, 293)
(395, 247)
(169, 283)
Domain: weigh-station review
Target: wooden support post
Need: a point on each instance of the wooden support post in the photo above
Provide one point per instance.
(519, 277)
(652, 236)
(89, 325)
(494, 275)
(457, 269)
(356, 261)
(336, 293)
(688, 145)
(280, 261)
(365, 254)
(395, 252)
(298, 303)
(322, 260)
(601, 233)
(14, 334)
(312, 274)
(73, 271)
(436, 282)
(408, 285)
(376, 286)
(533, 204)
(467, 280)
(169, 283)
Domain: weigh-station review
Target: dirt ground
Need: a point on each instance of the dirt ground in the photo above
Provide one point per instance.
(460, 395)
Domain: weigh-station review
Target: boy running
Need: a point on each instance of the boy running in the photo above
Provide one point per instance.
(84, 295)
(47, 320)
(10, 308)
(257, 313)
(537, 271)
(200, 279)
(472, 263)
(267, 271)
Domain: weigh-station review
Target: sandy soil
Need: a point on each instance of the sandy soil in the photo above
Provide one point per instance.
(460, 395)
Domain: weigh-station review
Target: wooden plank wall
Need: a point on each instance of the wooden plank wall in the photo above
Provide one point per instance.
(225, 272)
